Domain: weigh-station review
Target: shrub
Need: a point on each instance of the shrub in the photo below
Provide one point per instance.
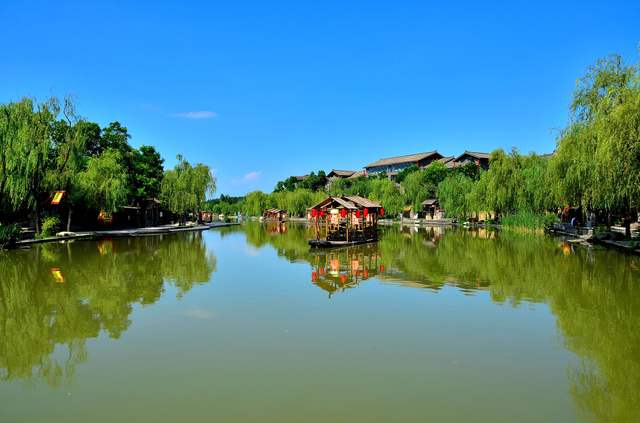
(50, 226)
(9, 234)
(528, 220)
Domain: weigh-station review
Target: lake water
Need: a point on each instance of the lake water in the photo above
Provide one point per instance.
(246, 324)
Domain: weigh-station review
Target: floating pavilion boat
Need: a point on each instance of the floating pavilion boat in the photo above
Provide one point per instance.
(343, 221)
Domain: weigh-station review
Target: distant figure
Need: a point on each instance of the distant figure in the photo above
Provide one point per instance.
(573, 221)
(591, 219)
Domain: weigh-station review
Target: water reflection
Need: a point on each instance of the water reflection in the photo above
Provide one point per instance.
(54, 297)
(594, 294)
(341, 269)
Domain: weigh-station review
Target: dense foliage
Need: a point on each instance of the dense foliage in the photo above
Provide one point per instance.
(312, 181)
(226, 205)
(9, 234)
(47, 147)
(294, 202)
(513, 184)
(185, 188)
(596, 164)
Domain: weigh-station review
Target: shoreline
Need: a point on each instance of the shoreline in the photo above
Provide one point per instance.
(121, 233)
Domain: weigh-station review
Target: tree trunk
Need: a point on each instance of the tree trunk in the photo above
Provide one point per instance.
(37, 221)
(69, 219)
(627, 227)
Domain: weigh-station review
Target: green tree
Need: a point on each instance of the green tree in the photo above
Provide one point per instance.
(503, 181)
(25, 143)
(340, 187)
(185, 188)
(255, 203)
(597, 160)
(92, 134)
(148, 172)
(116, 137)
(470, 170)
(104, 182)
(203, 184)
(454, 195)
(423, 184)
(400, 177)
(388, 194)
(68, 156)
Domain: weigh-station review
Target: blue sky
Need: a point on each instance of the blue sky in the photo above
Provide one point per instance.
(263, 90)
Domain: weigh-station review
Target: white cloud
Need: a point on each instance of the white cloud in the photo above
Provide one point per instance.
(247, 178)
(251, 176)
(199, 114)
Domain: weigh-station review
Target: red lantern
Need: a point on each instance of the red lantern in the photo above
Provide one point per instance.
(366, 212)
(321, 213)
(382, 211)
(358, 214)
(343, 213)
(314, 213)
(314, 276)
(366, 272)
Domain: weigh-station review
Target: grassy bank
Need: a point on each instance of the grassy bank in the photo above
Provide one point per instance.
(527, 221)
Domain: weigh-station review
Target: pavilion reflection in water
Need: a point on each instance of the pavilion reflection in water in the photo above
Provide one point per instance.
(344, 268)
(340, 269)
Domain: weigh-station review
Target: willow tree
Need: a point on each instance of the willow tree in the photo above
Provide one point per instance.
(255, 203)
(185, 188)
(454, 193)
(203, 184)
(68, 157)
(388, 194)
(504, 179)
(597, 162)
(25, 131)
(104, 182)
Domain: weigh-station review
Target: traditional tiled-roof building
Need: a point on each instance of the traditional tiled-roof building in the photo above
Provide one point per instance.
(480, 159)
(340, 174)
(393, 165)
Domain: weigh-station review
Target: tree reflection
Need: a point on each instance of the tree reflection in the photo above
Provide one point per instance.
(594, 294)
(54, 296)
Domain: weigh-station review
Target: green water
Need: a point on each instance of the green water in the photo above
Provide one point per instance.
(246, 324)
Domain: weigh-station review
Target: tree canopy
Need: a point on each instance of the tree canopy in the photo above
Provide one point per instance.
(185, 187)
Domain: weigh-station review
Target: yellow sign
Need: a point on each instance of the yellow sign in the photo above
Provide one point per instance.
(105, 217)
(57, 198)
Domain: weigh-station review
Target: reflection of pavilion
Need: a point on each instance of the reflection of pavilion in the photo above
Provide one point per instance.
(430, 234)
(274, 227)
(340, 269)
